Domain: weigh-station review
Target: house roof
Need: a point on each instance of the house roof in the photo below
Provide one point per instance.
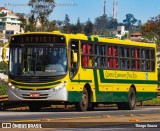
(3, 8)
(136, 34)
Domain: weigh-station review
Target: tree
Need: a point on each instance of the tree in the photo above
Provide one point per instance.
(88, 29)
(151, 30)
(67, 25)
(41, 9)
(79, 27)
(22, 18)
(31, 24)
(129, 21)
(101, 24)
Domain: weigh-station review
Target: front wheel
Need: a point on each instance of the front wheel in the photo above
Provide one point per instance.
(83, 104)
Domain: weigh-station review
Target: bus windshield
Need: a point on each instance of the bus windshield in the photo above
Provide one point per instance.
(33, 61)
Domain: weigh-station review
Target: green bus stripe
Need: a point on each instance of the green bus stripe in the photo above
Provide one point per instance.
(96, 82)
(83, 81)
(36, 85)
(95, 39)
(89, 38)
(103, 80)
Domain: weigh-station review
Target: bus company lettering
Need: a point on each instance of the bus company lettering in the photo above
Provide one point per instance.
(126, 75)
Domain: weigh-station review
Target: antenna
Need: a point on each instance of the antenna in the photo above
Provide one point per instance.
(104, 7)
(115, 9)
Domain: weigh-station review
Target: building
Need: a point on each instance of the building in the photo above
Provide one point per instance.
(137, 36)
(9, 24)
(121, 32)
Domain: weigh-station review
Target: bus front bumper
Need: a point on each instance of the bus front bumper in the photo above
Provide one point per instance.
(17, 94)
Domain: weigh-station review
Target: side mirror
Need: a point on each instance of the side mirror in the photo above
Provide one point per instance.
(4, 53)
(75, 57)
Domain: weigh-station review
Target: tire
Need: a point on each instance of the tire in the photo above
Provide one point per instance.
(83, 104)
(130, 105)
(33, 107)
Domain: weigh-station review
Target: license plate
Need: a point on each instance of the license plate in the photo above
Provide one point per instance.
(34, 94)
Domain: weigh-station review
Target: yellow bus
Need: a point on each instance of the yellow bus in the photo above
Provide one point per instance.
(48, 68)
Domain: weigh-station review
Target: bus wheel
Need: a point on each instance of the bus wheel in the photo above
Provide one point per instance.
(83, 104)
(34, 107)
(130, 105)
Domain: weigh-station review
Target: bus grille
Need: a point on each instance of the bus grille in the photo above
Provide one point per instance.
(41, 96)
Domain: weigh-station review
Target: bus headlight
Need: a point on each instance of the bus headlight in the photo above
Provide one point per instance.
(60, 86)
(11, 86)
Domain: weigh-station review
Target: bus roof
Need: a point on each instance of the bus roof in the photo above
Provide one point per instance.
(95, 38)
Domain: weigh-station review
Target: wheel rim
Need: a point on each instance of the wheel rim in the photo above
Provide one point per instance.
(132, 99)
(84, 99)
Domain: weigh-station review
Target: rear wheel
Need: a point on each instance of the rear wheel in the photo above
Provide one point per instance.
(83, 104)
(131, 99)
(130, 105)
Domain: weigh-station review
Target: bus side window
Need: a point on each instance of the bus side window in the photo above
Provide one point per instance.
(98, 58)
(110, 60)
(136, 60)
(125, 60)
(144, 63)
(84, 58)
(89, 52)
(86, 52)
(110, 52)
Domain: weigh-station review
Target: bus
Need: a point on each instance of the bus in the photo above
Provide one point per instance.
(47, 68)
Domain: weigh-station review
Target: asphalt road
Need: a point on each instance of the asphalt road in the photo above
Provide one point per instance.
(71, 113)
(109, 118)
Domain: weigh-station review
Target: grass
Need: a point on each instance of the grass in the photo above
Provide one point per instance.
(3, 87)
(155, 101)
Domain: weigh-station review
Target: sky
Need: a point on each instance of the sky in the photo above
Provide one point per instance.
(141, 9)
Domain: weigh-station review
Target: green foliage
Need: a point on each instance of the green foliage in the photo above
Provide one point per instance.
(79, 26)
(102, 23)
(3, 66)
(3, 87)
(89, 27)
(41, 9)
(151, 30)
(67, 25)
(130, 21)
(3, 14)
(155, 101)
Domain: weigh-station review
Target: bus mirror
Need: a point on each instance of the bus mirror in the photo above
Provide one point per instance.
(4, 54)
(74, 57)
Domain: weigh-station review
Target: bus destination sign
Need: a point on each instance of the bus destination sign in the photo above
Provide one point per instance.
(38, 39)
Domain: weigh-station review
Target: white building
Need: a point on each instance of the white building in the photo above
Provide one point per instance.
(121, 31)
(9, 24)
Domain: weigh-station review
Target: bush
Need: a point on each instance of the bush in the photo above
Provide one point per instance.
(3, 87)
(3, 67)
